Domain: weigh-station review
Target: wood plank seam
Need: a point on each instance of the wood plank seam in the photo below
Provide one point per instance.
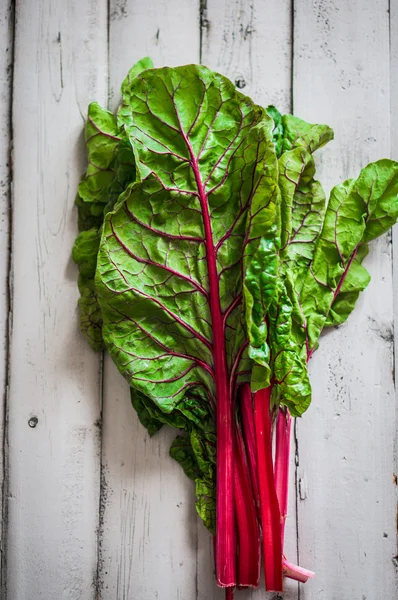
(9, 305)
(393, 41)
(102, 482)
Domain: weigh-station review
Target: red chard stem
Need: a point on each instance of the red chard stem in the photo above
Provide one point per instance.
(249, 434)
(282, 459)
(270, 513)
(246, 519)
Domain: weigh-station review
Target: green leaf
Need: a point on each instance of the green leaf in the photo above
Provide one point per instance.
(102, 140)
(297, 132)
(291, 385)
(302, 207)
(206, 503)
(181, 451)
(358, 211)
(139, 67)
(86, 217)
(261, 259)
(355, 282)
(84, 254)
(277, 131)
(111, 168)
(200, 148)
(85, 251)
(90, 314)
(151, 423)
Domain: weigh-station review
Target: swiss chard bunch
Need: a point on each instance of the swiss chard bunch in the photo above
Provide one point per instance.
(209, 263)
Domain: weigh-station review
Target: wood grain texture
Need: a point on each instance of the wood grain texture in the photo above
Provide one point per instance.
(60, 64)
(151, 544)
(6, 70)
(251, 43)
(394, 154)
(148, 521)
(347, 510)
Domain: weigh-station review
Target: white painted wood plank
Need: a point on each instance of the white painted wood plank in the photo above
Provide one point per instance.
(6, 55)
(394, 155)
(250, 42)
(347, 510)
(60, 64)
(148, 525)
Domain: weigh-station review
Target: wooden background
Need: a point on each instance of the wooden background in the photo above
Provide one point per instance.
(92, 508)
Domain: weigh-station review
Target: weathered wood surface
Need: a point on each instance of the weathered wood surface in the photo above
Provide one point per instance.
(54, 401)
(130, 532)
(346, 496)
(6, 69)
(148, 524)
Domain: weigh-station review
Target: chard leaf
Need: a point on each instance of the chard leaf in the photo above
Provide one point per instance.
(86, 217)
(206, 503)
(277, 131)
(302, 211)
(84, 254)
(102, 140)
(139, 67)
(105, 180)
(261, 261)
(90, 313)
(181, 451)
(297, 132)
(291, 385)
(172, 248)
(151, 422)
(85, 251)
(358, 211)
(355, 282)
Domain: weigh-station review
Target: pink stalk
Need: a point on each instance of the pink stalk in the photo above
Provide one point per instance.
(270, 514)
(225, 554)
(249, 434)
(229, 593)
(246, 519)
(282, 459)
(295, 572)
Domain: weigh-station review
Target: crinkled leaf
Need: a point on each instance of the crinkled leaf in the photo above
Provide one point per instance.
(151, 423)
(182, 452)
(86, 217)
(84, 254)
(301, 215)
(355, 282)
(261, 260)
(102, 140)
(98, 193)
(206, 503)
(302, 207)
(90, 313)
(139, 67)
(297, 132)
(291, 385)
(277, 131)
(198, 152)
(358, 211)
(85, 251)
